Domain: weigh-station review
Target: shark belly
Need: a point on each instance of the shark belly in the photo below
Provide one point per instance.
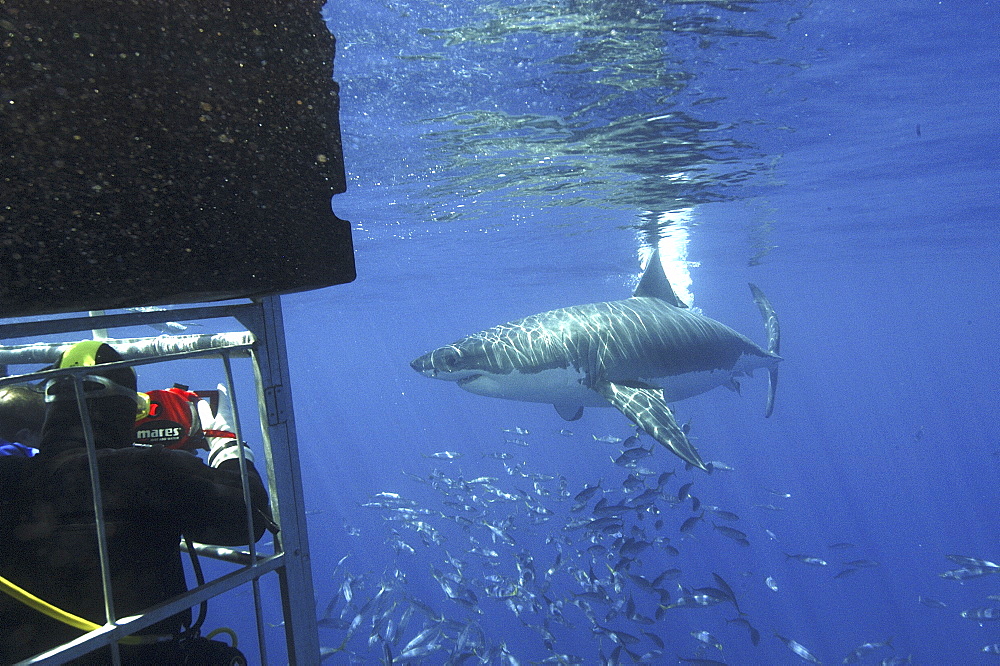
(555, 386)
(566, 386)
(690, 384)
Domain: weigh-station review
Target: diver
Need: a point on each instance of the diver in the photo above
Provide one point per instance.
(152, 496)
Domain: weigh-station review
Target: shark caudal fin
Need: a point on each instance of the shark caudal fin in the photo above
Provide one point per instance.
(773, 341)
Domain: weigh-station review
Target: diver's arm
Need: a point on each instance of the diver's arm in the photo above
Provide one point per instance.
(217, 514)
(206, 503)
(224, 456)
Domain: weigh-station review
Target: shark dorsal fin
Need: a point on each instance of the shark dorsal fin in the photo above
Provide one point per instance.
(654, 283)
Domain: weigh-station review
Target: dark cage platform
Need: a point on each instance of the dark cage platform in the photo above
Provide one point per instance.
(166, 152)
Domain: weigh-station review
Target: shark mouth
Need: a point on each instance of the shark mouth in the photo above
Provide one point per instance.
(465, 380)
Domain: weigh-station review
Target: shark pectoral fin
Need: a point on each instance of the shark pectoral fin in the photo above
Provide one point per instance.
(773, 342)
(647, 409)
(569, 412)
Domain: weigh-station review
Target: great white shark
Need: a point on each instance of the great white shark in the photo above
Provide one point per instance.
(638, 354)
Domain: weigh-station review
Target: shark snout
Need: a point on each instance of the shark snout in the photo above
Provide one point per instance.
(447, 363)
(423, 365)
(440, 363)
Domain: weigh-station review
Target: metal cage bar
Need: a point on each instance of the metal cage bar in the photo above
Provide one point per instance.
(284, 479)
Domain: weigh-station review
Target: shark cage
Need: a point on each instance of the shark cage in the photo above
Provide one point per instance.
(166, 162)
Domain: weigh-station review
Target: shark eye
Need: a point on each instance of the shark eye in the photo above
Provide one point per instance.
(448, 359)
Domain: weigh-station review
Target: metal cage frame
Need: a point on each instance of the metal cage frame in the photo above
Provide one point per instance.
(264, 343)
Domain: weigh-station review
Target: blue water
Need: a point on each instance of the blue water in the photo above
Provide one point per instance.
(506, 159)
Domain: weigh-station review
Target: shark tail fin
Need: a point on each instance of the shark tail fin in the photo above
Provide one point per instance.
(773, 341)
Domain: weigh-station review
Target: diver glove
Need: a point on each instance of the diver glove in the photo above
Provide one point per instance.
(222, 443)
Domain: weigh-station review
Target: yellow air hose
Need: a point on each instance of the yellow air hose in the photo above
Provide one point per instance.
(65, 617)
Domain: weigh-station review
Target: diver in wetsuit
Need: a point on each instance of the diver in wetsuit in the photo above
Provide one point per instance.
(151, 496)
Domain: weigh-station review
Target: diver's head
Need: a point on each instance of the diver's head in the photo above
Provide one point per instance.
(22, 412)
(112, 401)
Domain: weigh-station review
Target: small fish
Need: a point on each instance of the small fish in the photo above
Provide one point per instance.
(588, 492)
(647, 498)
(807, 559)
(669, 574)
(728, 591)
(444, 455)
(417, 653)
(778, 494)
(754, 634)
(771, 584)
(993, 648)
(608, 439)
(541, 490)
(862, 563)
(169, 327)
(516, 430)
(682, 492)
(633, 483)
(798, 649)
(629, 457)
(401, 546)
(769, 507)
(857, 653)
(696, 600)
(605, 524)
(707, 639)
(421, 639)
(631, 548)
(726, 515)
(566, 433)
(846, 572)
(500, 456)
(966, 573)
(620, 637)
(973, 562)
(981, 614)
(735, 535)
(166, 327)
(602, 508)
(689, 524)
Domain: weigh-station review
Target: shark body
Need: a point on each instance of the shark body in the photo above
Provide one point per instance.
(638, 355)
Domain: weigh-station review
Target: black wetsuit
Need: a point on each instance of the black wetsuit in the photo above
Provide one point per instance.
(151, 496)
